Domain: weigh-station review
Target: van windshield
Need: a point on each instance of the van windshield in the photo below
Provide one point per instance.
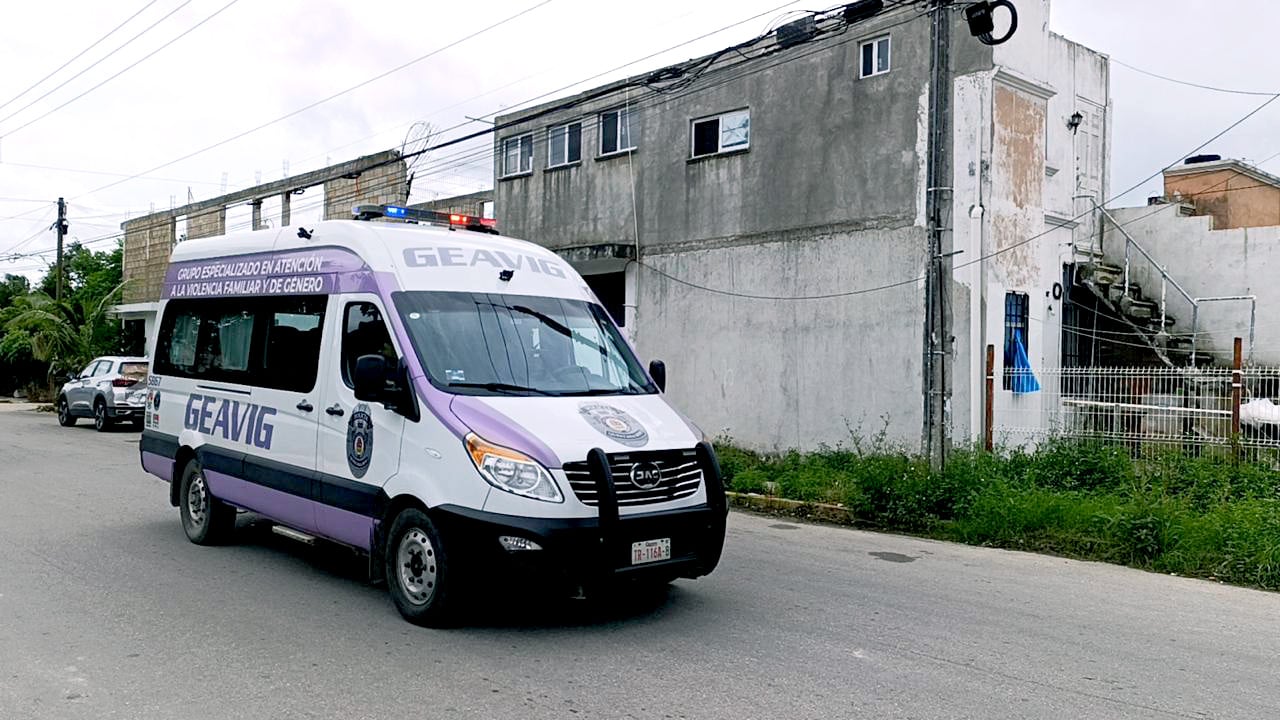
(492, 344)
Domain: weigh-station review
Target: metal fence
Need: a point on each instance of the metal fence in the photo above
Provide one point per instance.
(1146, 407)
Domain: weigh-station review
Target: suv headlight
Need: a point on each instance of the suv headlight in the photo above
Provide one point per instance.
(512, 471)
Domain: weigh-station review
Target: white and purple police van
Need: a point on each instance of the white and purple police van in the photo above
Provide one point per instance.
(451, 402)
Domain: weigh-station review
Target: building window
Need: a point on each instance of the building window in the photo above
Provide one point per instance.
(615, 131)
(564, 144)
(722, 133)
(1016, 316)
(875, 57)
(517, 155)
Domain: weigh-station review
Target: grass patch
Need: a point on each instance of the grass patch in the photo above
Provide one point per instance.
(1200, 515)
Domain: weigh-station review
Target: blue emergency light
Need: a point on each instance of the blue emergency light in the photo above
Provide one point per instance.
(413, 215)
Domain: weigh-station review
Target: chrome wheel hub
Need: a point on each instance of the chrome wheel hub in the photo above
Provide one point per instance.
(416, 560)
(197, 500)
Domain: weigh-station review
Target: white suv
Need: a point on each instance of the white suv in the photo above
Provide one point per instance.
(108, 389)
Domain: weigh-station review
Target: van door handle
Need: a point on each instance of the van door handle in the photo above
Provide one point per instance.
(305, 406)
(335, 411)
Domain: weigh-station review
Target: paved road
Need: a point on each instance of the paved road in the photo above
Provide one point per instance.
(106, 611)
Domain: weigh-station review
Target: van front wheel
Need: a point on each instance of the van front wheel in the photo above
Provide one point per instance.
(418, 573)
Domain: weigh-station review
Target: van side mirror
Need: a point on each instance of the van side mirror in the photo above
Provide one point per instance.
(658, 371)
(370, 377)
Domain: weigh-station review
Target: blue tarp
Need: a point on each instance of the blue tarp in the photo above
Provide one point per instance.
(1024, 381)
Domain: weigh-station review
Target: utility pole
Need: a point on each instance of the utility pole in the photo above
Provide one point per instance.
(61, 227)
(937, 337)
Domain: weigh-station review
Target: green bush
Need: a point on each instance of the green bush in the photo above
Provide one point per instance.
(1201, 514)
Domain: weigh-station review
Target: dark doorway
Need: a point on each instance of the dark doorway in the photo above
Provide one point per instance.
(611, 288)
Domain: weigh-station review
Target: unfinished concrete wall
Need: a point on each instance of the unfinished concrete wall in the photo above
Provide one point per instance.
(209, 224)
(1208, 262)
(776, 375)
(147, 244)
(469, 204)
(385, 185)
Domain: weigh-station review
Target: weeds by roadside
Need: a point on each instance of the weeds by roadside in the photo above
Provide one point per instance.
(1199, 515)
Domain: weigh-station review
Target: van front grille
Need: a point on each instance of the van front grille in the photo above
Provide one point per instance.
(678, 470)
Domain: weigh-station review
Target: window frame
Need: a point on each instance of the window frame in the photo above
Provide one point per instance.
(343, 371)
(618, 113)
(1017, 316)
(718, 118)
(520, 140)
(874, 44)
(568, 135)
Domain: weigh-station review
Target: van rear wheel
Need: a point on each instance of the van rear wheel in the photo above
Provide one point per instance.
(419, 577)
(206, 519)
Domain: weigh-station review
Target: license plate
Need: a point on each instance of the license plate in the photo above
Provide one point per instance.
(647, 551)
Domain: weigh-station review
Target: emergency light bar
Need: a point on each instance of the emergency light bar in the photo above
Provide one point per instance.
(413, 215)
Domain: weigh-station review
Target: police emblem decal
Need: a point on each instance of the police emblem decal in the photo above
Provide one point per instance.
(614, 424)
(359, 440)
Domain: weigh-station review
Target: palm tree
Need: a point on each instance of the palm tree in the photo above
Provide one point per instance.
(63, 334)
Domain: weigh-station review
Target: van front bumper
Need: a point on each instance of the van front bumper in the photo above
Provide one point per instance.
(593, 549)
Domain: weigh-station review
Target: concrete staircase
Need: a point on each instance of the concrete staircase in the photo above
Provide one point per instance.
(1150, 327)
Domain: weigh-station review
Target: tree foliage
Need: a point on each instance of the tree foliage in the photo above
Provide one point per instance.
(42, 338)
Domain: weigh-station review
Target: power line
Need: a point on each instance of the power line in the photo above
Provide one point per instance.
(1192, 84)
(127, 68)
(77, 56)
(82, 171)
(429, 149)
(575, 84)
(323, 100)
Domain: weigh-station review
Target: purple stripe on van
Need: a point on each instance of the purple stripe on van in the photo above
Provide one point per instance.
(498, 428)
(289, 509)
(321, 270)
(158, 465)
(344, 526)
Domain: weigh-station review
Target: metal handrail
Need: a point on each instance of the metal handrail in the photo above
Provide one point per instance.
(1195, 318)
(1166, 280)
(1129, 241)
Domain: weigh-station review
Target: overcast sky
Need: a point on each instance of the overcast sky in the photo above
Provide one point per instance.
(254, 61)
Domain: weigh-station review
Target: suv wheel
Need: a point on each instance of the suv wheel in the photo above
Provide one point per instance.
(101, 422)
(65, 418)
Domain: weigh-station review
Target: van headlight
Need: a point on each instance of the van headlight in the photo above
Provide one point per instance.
(511, 470)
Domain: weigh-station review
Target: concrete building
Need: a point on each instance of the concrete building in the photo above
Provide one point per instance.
(774, 196)
(1235, 193)
(1216, 234)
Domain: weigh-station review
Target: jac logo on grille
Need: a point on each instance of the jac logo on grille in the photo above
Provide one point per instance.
(646, 475)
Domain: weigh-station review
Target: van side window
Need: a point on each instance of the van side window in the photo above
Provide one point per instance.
(364, 332)
(182, 342)
(292, 354)
(271, 342)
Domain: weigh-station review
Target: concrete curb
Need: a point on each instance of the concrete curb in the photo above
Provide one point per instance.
(821, 512)
(19, 406)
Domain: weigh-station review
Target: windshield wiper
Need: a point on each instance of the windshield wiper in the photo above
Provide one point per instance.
(500, 387)
(602, 391)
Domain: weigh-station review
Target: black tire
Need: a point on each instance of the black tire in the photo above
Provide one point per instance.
(421, 582)
(65, 418)
(101, 422)
(206, 519)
